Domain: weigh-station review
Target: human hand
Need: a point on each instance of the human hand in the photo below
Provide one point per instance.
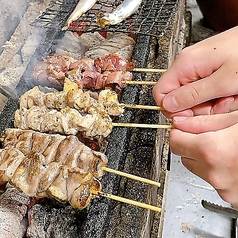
(208, 146)
(203, 79)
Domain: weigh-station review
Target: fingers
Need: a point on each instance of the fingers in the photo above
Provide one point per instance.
(221, 105)
(201, 73)
(184, 144)
(224, 105)
(212, 156)
(219, 84)
(205, 123)
(193, 63)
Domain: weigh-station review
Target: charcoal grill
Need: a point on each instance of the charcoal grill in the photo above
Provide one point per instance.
(161, 29)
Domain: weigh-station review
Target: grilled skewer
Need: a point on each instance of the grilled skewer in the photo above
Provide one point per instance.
(55, 166)
(87, 73)
(74, 97)
(69, 121)
(72, 110)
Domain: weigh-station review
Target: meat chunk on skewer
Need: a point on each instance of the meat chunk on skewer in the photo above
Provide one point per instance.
(51, 70)
(72, 97)
(55, 166)
(95, 81)
(68, 112)
(88, 73)
(67, 121)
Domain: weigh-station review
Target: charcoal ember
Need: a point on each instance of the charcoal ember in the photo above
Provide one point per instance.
(13, 210)
(46, 221)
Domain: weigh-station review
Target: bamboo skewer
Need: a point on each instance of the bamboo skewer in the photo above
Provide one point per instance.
(141, 82)
(141, 106)
(144, 180)
(149, 70)
(155, 126)
(125, 200)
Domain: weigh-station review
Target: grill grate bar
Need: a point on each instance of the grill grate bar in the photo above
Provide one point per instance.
(152, 18)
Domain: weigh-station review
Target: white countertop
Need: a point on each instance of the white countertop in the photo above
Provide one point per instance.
(184, 215)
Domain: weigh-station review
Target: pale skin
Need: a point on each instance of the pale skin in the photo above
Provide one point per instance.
(198, 91)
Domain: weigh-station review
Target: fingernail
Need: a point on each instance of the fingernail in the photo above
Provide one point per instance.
(228, 104)
(170, 104)
(179, 119)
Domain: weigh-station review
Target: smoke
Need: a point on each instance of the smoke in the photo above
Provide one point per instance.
(18, 39)
(10, 14)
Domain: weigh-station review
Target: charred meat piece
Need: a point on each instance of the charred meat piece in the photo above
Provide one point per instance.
(113, 63)
(94, 80)
(87, 73)
(55, 166)
(51, 70)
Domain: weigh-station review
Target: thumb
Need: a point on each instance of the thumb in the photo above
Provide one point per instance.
(205, 123)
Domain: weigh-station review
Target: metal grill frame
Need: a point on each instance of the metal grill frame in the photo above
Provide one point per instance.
(152, 18)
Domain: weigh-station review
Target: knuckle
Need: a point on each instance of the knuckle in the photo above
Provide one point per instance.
(192, 94)
(189, 52)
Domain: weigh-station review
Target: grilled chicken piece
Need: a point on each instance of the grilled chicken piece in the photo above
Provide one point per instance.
(72, 97)
(67, 121)
(109, 100)
(94, 80)
(62, 168)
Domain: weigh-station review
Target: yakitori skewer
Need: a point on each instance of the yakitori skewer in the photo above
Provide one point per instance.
(125, 200)
(137, 178)
(149, 70)
(155, 126)
(74, 176)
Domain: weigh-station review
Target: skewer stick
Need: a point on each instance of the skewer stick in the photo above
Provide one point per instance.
(125, 200)
(155, 126)
(141, 107)
(140, 82)
(149, 70)
(131, 176)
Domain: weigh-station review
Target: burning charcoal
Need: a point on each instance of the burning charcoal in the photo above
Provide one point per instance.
(13, 210)
(47, 221)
